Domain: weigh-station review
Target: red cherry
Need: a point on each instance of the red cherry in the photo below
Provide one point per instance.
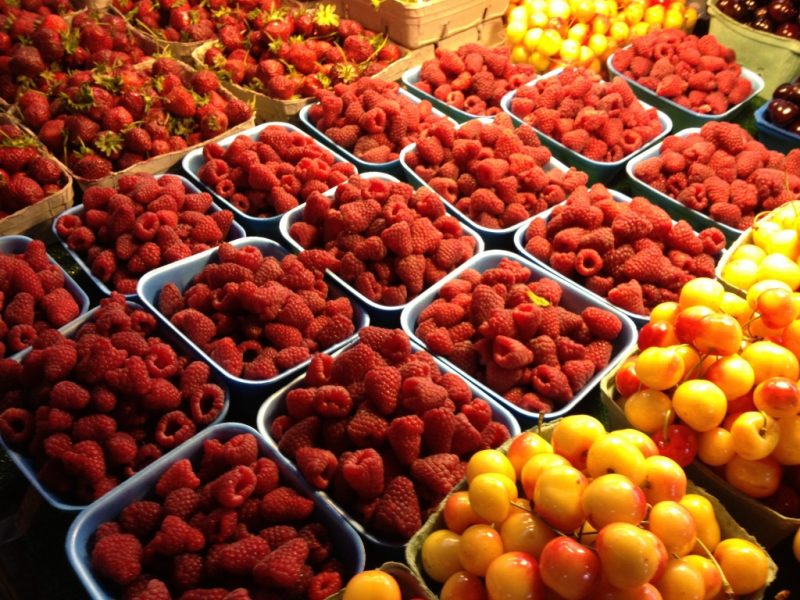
(679, 444)
(785, 501)
(659, 333)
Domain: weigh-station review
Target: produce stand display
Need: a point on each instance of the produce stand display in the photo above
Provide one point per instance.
(312, 324)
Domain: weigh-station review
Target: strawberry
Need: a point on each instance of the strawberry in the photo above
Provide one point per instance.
(180, 103)
(92, 166)
(282, 87)
(357, 48)
(14, 158)
(23, 190)
(117, 119)
(26, 61)
(51, 134)
(81, 129)
(302, 57)
(213, 123)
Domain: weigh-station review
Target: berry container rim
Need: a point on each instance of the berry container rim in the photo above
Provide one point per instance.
(674, 207)
(519, 244)
(574, 298)
(25, 464)
(348, 545)
(182, 272)
(296, 214)
(194, 160)
(236, 231)
(17, 244)
(772, 136)
(410, 79)
(275, 405)
(598, 171)
(392, 167)
(681, 116)
(485, 232)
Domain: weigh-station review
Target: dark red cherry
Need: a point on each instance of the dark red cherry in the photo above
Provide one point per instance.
(789, 30)
(782, 11)
(783, 112)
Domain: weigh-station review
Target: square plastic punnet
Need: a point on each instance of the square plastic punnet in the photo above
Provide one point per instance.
(772, 136)
(26, 464)
(182, 272)
(347, 545)
(266, 226)
(597, 170)
(574, 298)
(236, 231)
(275, 406)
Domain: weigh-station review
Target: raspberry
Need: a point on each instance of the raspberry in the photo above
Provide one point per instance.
(438, 472)
(405, 437)
(206, 404)
(628, 296)
(367, 429)
(241, 556)
(225, 353)
(318, 466)
(178, 475)
(419, 394)
(282, 567)
(552, 383)
(439, 429)
(173, 429)
(602, 324)
(16, 425)
(382, 387)
(397, 512)
(578, 372)
(683, 238)
(182, 503)
(599, 352)
(59, 306)
(363, 470)
(195, 325)
(118, 557)
(509, 353)
(175, 536)
(324, 585)
(284, 504)
(68, 395)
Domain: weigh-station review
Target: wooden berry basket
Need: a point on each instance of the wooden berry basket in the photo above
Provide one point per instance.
(162, 162)
(411, 586)
(729, 527)
(43, 212)
(415, 23)
(271, 109)
(769, 526)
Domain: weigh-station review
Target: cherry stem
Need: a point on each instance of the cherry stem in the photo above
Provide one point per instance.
(665, 429)
(763, 431)
(726, 585)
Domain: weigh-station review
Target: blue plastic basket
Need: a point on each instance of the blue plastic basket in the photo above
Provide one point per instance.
(598, 171)
(236, 231)
(681, 116)
(674, 207)
(348, 548)
(493, 236)
(296, 214)
(392, 167)
(182, 272)
(574, 298)
(411, 78)
(772, 136)
(265, 226)
(26, 464)
(17, 244)
(275, 405)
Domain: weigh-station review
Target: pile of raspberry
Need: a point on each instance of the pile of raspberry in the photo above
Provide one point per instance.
(257, 316)
(371, 119)
(724, 173)
(629, 253)
(140, 225)
(491, 172)
(473, 78)
(32, 298)
(697, 73)
(384, 431)
(599, 120)
(271, 175)
(95, 409)
(385, 239)
(508, 331)
(227, 527)
(27, 173)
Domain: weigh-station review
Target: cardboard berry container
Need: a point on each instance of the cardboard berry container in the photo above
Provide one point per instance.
(772, 136)
(411, 586)
(26, 464)
(182, 272)
(17, 244)
(381, 311)
(598, 170)
(729, 528)
(681, 116)
(347, 545)
(392, 167)
(275, 406)
(272, 109)
(49, 207)
(414, 24)
(574, 298)
(768, 526)
(266, 226)
(519, 243)
(236, 231)
(675, 208)
(491, 236)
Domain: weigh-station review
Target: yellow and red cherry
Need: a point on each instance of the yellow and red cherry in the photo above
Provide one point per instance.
(741, 404)
(659, 333)
(778, 397)
(777, 307)
(626, 380)
(718, 333)
(660, 368)
(687, 323)
(677, 442)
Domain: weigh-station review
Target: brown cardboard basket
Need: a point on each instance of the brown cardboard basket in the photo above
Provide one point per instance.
(162, 162)
(47, 208)
(271, 109)
(152, 44)
(415, 24)
(769, 526)
(410, 585)
(729, 527)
